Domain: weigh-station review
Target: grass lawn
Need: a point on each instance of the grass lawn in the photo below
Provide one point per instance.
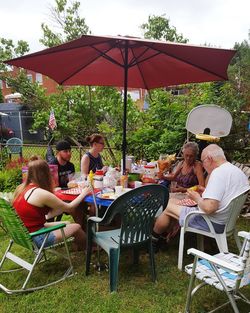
(136, 291)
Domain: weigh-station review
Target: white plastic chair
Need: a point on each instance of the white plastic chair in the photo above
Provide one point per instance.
(235, 207)
(226, 271)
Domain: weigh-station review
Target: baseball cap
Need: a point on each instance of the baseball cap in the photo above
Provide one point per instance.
(63, 145)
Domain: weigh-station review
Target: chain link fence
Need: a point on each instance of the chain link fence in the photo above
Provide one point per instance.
(110, 156)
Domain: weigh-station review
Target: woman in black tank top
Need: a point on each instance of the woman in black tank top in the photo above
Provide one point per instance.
(92, 159)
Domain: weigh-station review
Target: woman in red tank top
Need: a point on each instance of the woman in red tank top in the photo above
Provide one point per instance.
(35, 198)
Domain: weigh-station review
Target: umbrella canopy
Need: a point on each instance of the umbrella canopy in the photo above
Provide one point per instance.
(127, 62)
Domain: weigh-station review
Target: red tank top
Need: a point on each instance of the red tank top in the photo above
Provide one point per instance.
(32, 216)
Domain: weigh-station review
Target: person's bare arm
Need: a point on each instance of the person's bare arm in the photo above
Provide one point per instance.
(199, 174)
(208, 206)
(173, 175)
(42, 198)
(85, 165)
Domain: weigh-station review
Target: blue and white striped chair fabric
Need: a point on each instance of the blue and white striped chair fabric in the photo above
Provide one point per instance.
(225, 271)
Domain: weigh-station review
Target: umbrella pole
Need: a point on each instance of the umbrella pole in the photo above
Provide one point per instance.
(124, 141)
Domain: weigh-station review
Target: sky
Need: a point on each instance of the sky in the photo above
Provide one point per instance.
(219, 23)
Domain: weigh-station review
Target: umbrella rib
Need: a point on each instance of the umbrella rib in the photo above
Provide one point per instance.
(187, 62)
(54, 50)
(100, 53)
(138, 65)
(134, 60)
(103, 54)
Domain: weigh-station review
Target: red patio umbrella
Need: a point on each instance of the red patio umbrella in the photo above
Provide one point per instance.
(128, 62)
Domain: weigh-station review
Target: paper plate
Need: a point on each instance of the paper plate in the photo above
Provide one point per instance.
(72, 191)
(187, 202)
(107, 196)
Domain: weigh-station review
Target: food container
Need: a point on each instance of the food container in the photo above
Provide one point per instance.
(149, 175)
(134, 176)
(98, 179)
(149, 171)
(128, 164)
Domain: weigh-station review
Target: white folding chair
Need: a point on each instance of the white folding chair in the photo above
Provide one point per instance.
(225, 271)
(235, 207)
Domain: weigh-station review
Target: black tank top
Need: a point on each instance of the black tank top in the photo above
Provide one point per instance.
(94, 163)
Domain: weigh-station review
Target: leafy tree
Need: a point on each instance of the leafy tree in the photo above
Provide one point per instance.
(32, 93)
(82, 110)
(67, 20)
(162, 126)
(158, 27)
(234, 95)
(9, 50)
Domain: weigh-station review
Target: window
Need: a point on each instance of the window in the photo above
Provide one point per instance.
(30, 78)
(1, 84)
(39, 78)
(178, 92)
(134, 94)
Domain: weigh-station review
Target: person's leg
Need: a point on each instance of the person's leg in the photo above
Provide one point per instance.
(73, 230)
(163, 221)
(49, 224)
(79, 214)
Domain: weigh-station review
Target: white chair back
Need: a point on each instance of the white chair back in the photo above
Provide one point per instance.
(235, 208)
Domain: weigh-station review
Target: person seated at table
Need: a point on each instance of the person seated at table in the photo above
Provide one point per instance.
(225, 182)
(188, 172)
(92, 160)
(66, 169)
(34, 199)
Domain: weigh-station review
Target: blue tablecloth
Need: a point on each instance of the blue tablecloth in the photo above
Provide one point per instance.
(99, 201)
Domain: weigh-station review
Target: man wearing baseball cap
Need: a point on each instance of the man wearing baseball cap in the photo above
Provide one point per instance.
(62, 160)
(65, 170)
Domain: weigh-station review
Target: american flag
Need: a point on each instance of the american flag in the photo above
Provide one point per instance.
(52, 120)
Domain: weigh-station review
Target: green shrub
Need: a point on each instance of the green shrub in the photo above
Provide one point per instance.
(10, 179)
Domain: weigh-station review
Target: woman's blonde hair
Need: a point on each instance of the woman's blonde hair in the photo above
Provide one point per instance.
(38, 174)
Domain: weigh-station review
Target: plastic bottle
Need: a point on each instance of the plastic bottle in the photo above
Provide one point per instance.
(98, 179)
(91, 177)
(124, 181)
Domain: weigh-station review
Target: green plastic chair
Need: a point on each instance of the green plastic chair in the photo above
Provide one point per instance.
(20, 236)
(137, 209)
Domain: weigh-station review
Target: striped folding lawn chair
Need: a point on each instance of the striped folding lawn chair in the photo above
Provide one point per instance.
(225, 271)
(20, 236)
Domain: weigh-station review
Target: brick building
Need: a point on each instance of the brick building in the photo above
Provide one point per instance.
(48, 84)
